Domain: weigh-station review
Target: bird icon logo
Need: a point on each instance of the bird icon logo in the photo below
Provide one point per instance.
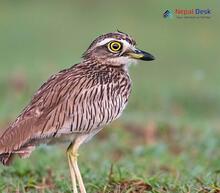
(167, 14)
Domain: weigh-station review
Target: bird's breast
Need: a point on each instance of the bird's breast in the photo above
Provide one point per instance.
(101, 105)
(96, 106)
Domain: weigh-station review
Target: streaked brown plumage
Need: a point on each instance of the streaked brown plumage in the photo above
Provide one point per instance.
(76, 103)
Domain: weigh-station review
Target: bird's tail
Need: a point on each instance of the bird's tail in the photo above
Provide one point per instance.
(17, 140)
(6, 158)
(23, 152)
(14, 142)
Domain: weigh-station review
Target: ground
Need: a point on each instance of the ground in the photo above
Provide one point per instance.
(155, 158)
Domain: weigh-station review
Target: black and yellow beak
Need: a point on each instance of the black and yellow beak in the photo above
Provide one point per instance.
(141, 55)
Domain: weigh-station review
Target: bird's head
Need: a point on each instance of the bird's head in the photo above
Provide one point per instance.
(116, 49)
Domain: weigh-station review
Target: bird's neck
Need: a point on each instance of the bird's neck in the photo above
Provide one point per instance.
(111, 65)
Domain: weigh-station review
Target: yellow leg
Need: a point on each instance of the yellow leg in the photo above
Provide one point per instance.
(73, 154)
(79, 177)
(72, 173)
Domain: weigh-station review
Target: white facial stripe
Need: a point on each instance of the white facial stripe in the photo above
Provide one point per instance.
(103, 42)
(124, 43)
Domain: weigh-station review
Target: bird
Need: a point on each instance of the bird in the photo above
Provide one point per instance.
(76, 103)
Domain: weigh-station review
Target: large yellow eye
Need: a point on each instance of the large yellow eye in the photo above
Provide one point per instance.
(114, 46)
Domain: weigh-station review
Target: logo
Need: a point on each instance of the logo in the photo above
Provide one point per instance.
(188, 13)
(167, 14)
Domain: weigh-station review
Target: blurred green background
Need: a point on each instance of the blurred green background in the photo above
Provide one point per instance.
(177, 95)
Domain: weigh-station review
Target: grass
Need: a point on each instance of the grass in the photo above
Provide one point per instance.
(167, 140)
(119, 156)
